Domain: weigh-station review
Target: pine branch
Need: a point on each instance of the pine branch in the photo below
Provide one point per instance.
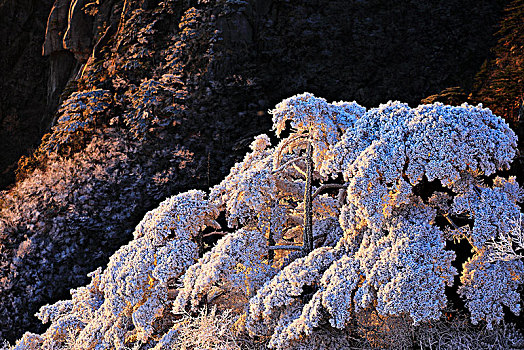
(328, 186)
(292, 161)
(285, 247)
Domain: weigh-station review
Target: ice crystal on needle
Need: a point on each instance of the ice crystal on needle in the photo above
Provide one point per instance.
(488, 286)
(237, 259)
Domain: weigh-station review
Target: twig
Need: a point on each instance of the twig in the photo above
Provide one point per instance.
(446, 215)
(478, 190)
(285, 247)
(287, 163)
(299, 170)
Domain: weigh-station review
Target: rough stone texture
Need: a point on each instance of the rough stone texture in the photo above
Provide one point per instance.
(78, 35)
(56, 27)
(23, 77)
(61, 66)
(61, 61)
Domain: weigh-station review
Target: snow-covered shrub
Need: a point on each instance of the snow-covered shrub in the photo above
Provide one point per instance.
(79, 114)
(121, 304)
(389, 186)
(63, 220)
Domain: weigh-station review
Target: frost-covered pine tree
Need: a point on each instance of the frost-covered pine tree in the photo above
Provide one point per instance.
(391, 186)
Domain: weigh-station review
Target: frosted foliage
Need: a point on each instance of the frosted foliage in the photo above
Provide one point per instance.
(323, 122)
(494, 210)
(488, 286)
(509, 245)
(341, 277)
(377, 186)
(306, 111)
(333, 296)
(260, 143)
(392, 147)
(440, 141)
(171, 218)
(122, 303)
(236, 260)
(397, 172)
(328, 228)
(29, 341)
(408, 270)
(249, 189)
(402, 272)
(400, 266)
(69, 317)
(78, 113)
(286, 287)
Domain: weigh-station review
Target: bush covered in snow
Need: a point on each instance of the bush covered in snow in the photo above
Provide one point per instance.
(390, 188)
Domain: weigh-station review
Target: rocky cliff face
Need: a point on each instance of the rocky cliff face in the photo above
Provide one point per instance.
(45, 44)
(23, 77)
(159, 97)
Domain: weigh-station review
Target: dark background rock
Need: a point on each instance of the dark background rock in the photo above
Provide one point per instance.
(370, 51)
(23, 80)
(56, 27)
(78, 36)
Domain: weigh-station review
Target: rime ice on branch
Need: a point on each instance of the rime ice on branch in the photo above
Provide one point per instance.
(382, 180)
(123, 302)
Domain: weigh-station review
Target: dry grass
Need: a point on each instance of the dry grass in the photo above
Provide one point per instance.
(382, 332)
(459, 334)
(210, 330)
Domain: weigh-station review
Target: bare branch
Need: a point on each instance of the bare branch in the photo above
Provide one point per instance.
(292, 161)
(299, 170)
(455, 226)
(327, 186)
(285, 247)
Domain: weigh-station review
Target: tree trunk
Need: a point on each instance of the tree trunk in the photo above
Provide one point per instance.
(308, 215)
